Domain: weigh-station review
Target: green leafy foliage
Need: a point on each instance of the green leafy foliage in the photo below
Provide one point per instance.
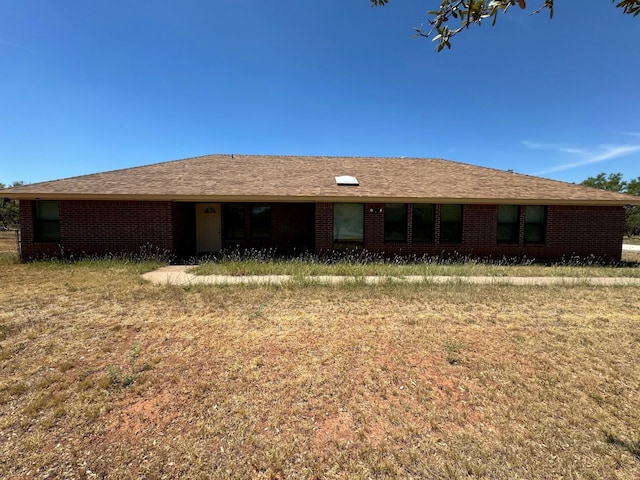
(455, 16)
(612, 182)
(9, 209)
(615, 183)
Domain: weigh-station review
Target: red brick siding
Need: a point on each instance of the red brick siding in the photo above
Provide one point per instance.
(374, 227)
(100, 227)
(586, 230)
(570, 230)
(324, 227)
(479, 226)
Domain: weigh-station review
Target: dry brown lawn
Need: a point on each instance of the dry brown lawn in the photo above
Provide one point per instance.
(105, 376)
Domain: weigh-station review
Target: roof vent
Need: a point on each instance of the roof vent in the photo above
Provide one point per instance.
(347, 180)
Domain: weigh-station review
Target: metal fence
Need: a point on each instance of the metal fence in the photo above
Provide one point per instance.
(10, 241)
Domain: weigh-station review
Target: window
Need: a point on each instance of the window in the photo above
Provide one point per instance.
(534, 224)
(47, 224)
(348, 225)
(260, 222)
(424, 224)
(508, 224)
(234, 222)
(395, 222)
(451, 223)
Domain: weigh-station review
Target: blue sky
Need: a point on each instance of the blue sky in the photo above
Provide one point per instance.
(107, 84)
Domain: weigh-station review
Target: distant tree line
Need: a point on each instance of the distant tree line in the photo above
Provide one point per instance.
(614, 183)
(9, 209)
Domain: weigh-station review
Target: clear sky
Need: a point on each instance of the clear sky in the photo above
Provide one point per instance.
(89, 86)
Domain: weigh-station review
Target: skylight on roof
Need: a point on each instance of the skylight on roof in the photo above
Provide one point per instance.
(347, 180)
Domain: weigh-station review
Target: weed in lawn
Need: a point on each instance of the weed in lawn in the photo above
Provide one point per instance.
(125, 377)
(114, 375)
(453, 348)
(133, 355)
(256, 313)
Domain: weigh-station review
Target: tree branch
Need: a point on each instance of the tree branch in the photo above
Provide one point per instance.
(474, 11)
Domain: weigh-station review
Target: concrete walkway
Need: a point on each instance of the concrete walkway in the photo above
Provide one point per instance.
(180, 275)
(630, 248)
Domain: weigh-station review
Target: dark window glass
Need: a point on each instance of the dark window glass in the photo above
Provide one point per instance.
(47, 224)
(424, 224)
(260, 222)
(451, 223)
(395, 222)
(348, 225)
(234, 222)
(534, 223)
(508, 223)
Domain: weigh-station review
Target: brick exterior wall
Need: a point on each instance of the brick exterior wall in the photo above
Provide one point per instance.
(324, 227)
(585, 231)
(100, 227)
(570, 230)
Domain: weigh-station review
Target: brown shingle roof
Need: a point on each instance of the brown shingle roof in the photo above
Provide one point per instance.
(301, 178)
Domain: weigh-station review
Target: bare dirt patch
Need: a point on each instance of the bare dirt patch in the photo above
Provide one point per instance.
(142, 416)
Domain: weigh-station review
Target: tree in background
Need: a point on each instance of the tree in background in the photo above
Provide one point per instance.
(454, 16)
(614, 183)
(9, 209)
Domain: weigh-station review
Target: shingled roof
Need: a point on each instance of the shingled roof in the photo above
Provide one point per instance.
(278, 178)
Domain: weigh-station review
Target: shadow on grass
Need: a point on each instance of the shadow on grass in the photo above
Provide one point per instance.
(632, 447)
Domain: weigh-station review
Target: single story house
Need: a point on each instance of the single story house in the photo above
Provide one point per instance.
(319, 204)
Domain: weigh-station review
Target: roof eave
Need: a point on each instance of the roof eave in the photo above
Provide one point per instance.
(316, 198)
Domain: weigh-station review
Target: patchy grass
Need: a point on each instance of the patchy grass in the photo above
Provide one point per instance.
(105, 375)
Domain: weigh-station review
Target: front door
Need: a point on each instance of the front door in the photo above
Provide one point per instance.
(208, 227)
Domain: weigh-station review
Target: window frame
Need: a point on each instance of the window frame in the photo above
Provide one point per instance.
(232, 231)
(448, 225)
(513, 226)
(539, 228)
(46, 230)
(345, 242)
(393, 226)
(257, 231)
(419, 225)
